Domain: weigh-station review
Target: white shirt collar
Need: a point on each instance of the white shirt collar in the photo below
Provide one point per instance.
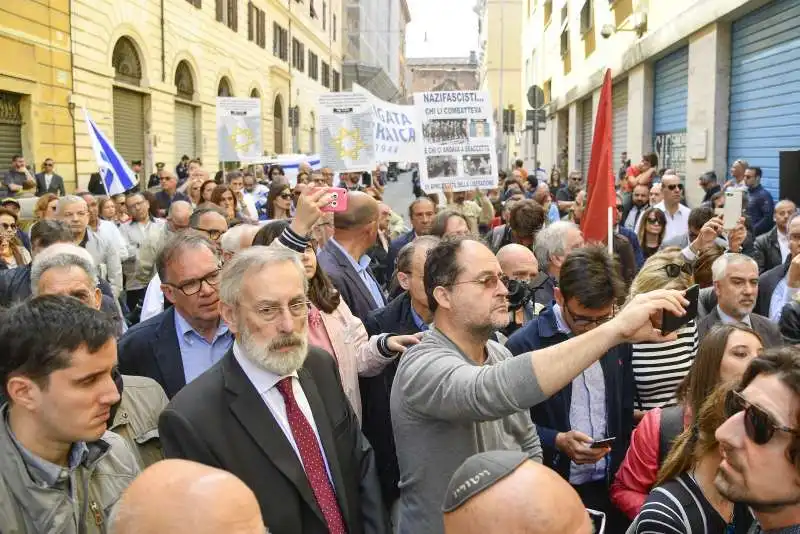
(261, 379)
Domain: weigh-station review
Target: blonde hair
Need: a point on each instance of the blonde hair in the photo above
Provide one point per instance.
(653, 276)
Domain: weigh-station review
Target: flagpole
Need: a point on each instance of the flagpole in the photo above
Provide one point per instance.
(610, 231)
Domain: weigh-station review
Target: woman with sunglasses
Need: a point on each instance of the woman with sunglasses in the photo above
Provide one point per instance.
(333, 327)
(652, 226)
(12, 253)
(279, 203)
(659, 368)
(722, 357)
(686, 500)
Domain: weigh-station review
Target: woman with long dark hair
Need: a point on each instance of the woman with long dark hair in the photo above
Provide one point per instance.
(12, 253)
(652, 226)
(333, 327)
(279, 202)
(206, 190)
(224, 197)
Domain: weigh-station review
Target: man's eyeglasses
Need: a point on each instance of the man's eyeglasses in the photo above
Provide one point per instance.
(582, 321)
(673, 187)
(759, 425)
(8, 226)
(653, 220)
(48, 164)
(212, 234)
(674, 270)
(271, 313)
(488, 281)
(192, 287)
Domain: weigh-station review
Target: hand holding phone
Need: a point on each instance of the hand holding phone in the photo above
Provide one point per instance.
(338, 202)
(670, 322)
(603, 443)
(733, 209)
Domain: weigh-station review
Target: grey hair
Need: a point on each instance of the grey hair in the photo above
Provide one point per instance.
(62, 255)
(66, 200)
(231, 241)
(742, 162)
(254, 259)
(177, 243)
(551, 241)
(720, 266)
(406, 255)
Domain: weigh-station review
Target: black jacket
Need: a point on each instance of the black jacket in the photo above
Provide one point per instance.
(790, 323)
(767, 283)
(347, 281)
(767, 330)
(221, 420)
(151, 349)
(767, 251)
(552, 415)
(56, 185)
(376, 391)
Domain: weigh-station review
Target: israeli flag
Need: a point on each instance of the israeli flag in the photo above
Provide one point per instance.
(117, 176)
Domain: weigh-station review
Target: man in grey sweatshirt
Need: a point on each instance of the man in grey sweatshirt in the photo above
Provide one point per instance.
(456, 393)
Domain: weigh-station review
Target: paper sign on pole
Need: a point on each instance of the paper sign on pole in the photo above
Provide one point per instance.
(239, 128)
(344, 122)
(457, 141)
(396, 128)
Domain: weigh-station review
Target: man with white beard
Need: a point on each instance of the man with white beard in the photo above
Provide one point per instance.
(273, 412)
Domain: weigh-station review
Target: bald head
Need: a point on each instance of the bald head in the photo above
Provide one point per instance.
(179, 213)
(518, 262)
(362, 209)
(202, 500)
(534, 500)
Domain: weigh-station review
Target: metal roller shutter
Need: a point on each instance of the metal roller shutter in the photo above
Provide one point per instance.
(185, 131)
(765, 88)
(586, 136)
(10, 129)
(129, 124)
(619, 104)
(670, 105)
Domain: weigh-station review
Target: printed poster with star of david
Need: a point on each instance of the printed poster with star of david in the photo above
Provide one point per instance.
(239, 129)
(346, 132)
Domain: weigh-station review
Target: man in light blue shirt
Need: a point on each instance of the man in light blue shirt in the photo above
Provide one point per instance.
(781, 284)
(197, 352)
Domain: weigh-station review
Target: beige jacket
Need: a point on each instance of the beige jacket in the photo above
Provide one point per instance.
(136, 420)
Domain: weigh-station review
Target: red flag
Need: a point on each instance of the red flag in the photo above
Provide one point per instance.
(601, 195)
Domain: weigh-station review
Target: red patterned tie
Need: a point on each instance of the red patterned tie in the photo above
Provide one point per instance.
(313, 463)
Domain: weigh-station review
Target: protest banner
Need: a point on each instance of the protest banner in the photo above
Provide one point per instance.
(457, 141)
(395, 129)
(239, 129)
(345, 125)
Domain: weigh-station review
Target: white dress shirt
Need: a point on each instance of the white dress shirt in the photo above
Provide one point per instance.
(153, 303)
(266, 383)
(48, 179)
(783, 244)
(678, 223)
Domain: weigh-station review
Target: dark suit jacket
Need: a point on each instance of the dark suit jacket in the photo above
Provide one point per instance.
(768, 331)
(221, 420)
(767, 251)
(552, 415)
(56, 185)
(151, 349)
(767, 283)
(353, 290)
(376, 419)
(396, 245)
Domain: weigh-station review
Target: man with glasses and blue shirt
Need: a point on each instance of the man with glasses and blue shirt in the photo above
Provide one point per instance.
(677, 213)
(598, 403)
(178, 345)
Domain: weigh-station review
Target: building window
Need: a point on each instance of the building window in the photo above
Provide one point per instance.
(196, 3)
(126, 62)
(280, 42)
(326, 75)
(587, 18)
(228, 13)
(313, 65)
(324, 14)
(224, 88)
(256, 26)
(548, 11)
(298, 55)
(333, 24)
(184, 81)
(311, 11)
(337, 81)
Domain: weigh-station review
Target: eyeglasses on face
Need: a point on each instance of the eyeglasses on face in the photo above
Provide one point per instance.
(192, 287)
(582, 321)
(674, 270)
(653, 220)
(285, 196)
(271, 313)
(488, 281)
(673, 187)
(759, 425)
(214, 235)
(8, 226)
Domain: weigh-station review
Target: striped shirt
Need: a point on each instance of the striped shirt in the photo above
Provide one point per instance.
(679, 507)
(658, 368)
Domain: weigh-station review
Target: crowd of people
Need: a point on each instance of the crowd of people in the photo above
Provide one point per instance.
(228, 355)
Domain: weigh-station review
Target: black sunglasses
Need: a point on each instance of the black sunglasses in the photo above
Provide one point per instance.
(672, 187)
(674, 270)
(654, 220)
(758, 424)
(285, 196)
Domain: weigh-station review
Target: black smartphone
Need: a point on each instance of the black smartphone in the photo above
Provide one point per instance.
(602, 443)
(670, 322)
